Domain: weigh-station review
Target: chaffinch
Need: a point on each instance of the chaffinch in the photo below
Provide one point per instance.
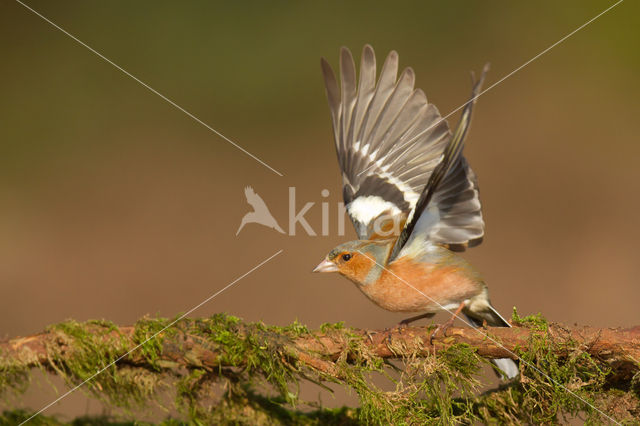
(410, 194)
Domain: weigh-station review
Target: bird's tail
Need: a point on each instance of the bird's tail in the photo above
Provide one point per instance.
(508, 366)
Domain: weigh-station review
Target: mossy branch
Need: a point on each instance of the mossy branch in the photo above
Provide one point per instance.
(182, 347)
(434, 382)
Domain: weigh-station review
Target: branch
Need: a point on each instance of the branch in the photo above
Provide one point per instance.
(203, 351)
(618, 347)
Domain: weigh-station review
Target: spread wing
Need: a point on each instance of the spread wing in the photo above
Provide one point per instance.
(388, 138)
(448, 210)
(254, 200)
(389, 141)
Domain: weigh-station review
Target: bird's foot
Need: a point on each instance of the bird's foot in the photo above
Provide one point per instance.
(403, 324)
(442, 328)
(389, 331)
(387, 335)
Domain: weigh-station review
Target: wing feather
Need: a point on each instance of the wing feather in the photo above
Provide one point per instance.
(333, 96)
(366, 90)
(450, 182)
(384, 88)
(348, 92)
(389, 141)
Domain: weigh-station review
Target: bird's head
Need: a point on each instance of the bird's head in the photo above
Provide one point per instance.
(354, 259)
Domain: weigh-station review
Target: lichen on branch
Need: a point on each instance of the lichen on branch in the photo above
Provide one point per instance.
(223, 370)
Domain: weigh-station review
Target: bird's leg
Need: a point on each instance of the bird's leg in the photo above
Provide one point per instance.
(444, 326)
(406, 322)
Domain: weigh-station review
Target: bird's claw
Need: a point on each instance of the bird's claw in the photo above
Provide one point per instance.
(387, 338)
(403, 324)
(398, 328)
(444, 326)
(440, 328)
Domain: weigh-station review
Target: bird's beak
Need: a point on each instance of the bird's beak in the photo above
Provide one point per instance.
(326, 266)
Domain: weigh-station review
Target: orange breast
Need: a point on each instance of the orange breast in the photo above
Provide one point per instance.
(409, 286)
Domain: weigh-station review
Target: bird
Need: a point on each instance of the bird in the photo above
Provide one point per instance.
(260, 213)
(410, 194)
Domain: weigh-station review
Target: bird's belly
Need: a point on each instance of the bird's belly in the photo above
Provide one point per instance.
(408, 287)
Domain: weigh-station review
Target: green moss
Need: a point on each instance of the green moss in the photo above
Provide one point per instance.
(635, 383)
(557, 384)
(88, 355)
(462, 359)
(295, 329)
(327, 326)
(534, 322)
(257, 376)
(14, 417)
(557, 380)
(149, 335)
(109, 325)
(14, 376)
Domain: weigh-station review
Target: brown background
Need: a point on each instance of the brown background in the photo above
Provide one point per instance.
(113, 204)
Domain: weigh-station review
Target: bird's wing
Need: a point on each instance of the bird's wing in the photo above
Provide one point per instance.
(448, 211)
(249, 192)
(254, 199)
(388, 137)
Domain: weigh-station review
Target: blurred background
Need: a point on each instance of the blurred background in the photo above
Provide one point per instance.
(114, 204)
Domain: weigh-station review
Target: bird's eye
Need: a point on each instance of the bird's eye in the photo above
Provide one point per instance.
(346, 257)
